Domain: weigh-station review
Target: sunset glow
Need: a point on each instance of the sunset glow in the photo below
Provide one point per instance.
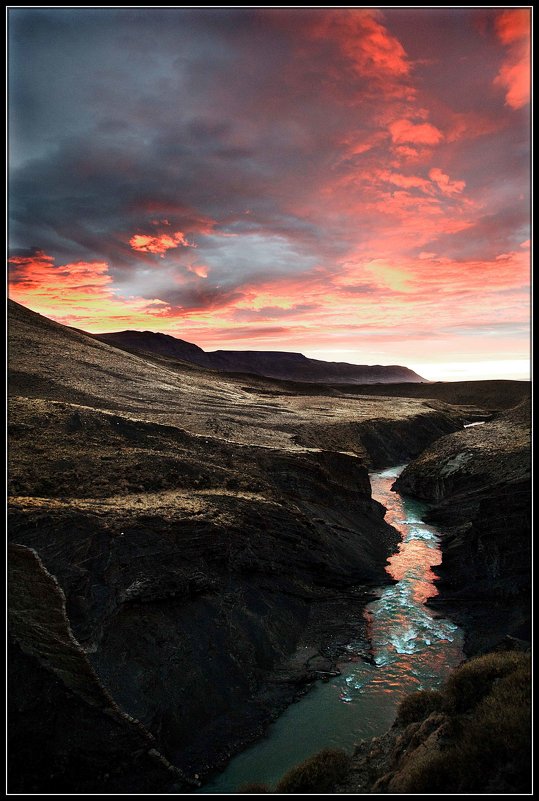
(348, 183)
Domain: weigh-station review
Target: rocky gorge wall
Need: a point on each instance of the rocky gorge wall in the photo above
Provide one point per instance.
(479, 481)
(60, 695)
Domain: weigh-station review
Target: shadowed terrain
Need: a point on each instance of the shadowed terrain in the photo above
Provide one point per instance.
(479, 482)
(213, 537)
(470, 736)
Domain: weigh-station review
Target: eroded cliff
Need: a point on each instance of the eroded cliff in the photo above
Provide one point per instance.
(479, 483)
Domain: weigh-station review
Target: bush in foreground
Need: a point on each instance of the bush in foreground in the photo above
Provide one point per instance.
(318, 774)
(253, 787)
(473, 680)
(418, 706)
(479, 740)
(489, 697)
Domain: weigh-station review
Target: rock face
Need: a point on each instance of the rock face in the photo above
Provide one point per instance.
(479, 482)
(385, 443)
(274, 364)
(79, 737)
(185, 600)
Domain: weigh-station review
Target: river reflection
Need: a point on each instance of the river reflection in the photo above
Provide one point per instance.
(411, 649)
(400, 621)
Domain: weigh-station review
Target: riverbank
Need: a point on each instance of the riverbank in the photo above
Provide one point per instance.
(471, 736)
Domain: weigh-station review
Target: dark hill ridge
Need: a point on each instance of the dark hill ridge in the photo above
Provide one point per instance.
(274, 364)
(160, 344)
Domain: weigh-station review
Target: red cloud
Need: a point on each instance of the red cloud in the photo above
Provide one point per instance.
(445, 184)
(37, 274)
(76, 293)
(407, 153)
(408, 181)
(406, 131)
(371, 49)
(198, 269)
(159, 244)
(513, 29)
(19, 271)
(470, 124)
(513, 25)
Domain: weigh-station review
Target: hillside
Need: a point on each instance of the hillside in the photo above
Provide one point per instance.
(273, 364)
(489, 394)
(213, 538)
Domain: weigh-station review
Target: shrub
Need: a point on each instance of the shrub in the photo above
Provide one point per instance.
(473, 680)
(253, 787)
(318, 774)
(493, 748)
(500, 730)
(431, 772)
(418, 706)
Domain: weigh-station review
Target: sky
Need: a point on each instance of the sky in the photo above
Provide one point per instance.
(351, 183)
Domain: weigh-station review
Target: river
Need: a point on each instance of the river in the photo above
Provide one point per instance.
(412, 649)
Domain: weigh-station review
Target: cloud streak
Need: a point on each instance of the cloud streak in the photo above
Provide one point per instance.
(513, 29)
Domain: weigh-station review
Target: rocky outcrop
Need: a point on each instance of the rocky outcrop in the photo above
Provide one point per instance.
(383, 442)
(479, 482)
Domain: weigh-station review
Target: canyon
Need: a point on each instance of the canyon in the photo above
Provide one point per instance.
(189, 549)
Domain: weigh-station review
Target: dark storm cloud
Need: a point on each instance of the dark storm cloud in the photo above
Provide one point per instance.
(135, 116)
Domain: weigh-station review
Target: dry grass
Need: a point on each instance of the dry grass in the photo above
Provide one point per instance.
(318, 774)
(474, 679)
(493, 746)
(253, 787)
(418, 706)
